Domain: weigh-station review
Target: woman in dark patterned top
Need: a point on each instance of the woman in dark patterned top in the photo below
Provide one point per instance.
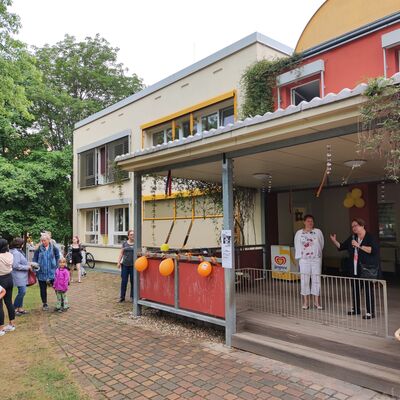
(363, 250)
(125, 264)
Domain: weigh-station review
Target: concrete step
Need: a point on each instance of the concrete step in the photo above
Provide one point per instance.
(373, 376)
(371, 349)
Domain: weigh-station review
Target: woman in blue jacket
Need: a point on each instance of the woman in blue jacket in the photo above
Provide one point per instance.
(47, 256)
(19, 273)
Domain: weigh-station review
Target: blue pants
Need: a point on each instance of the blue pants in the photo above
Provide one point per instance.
(19, 299)
(126, 272)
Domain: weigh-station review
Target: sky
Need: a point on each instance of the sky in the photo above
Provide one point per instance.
(157, 38)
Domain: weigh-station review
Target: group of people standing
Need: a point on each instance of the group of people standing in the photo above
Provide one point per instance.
(50, 268)
(363, 253)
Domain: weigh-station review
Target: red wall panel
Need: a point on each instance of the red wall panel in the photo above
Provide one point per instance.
(154, 286)
(352, 63)
(205, 295)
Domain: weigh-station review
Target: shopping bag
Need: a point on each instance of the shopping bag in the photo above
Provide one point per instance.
(31, 278)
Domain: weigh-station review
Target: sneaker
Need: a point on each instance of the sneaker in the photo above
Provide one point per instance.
(353, 312)
(45, 307)
(9, 328)
(2, 332)
(368, 316)
(121, 300)
(60, 310)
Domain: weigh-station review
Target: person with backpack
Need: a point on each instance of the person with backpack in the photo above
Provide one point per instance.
(47, 256)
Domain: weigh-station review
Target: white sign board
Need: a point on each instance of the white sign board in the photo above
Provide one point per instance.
(226, 248)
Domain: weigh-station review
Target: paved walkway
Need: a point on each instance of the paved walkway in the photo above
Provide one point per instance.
(114, 360)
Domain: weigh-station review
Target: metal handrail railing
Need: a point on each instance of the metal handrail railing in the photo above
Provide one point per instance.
(271, 292)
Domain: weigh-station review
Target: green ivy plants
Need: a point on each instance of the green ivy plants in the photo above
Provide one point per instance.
(258, 83)
(380, 124)
(208, 197)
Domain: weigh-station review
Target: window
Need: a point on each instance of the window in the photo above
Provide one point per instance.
(121, 224)
(186, 128)
(398, 60)
(227, 116)
(158, 138)
(387, 221)
(96, 166)
(168, 135)
(164, 136)
(305, 92)
(209, 122)
(92, 226)
(87, 168)
(114, 149)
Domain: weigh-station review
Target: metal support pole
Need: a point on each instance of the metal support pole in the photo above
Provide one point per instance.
(263, 201)
(137, 223)
(227, 201)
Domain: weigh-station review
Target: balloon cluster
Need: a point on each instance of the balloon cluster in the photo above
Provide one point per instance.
(354, 198)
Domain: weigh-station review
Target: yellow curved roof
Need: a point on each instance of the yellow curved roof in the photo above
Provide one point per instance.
(336, 17)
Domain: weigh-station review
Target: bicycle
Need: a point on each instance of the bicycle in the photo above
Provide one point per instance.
(88, 259)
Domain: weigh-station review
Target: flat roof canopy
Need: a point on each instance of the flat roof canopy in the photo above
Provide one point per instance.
(296, 166)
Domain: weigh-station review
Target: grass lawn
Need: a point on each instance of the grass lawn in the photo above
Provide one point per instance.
(30, 365)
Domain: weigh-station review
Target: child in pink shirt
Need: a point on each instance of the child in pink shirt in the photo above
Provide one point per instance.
(61, 282)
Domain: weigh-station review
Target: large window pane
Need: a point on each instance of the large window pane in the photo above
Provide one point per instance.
(227, 116)
(92, 226)
(87, 168)
(209, 122)
(114, 149)
(186, 128)
(158, 138)
(169, 135)
(119, 219)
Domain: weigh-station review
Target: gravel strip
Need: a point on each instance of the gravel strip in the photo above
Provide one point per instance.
(172, 325)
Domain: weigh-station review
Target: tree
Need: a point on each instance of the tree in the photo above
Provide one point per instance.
(80, 79)
(42, 96)
(18, 78)
(34, 194)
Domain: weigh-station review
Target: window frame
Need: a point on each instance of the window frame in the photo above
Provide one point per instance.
(216, 113)
(83, 181)
(221, 118)
(292, 90)
(125, 221)
(95, 223)
(106, 177)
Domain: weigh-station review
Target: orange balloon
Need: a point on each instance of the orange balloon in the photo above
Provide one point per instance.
(141, 264)
(204, 268)
(166, 267)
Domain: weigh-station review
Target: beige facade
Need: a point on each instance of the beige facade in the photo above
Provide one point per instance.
(102, 209)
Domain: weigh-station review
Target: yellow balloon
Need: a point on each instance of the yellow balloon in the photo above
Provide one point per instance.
(164, 247)
(348, 202)
(360, 203)
(356, 193)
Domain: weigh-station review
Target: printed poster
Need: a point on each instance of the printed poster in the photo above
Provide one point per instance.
(226, 248)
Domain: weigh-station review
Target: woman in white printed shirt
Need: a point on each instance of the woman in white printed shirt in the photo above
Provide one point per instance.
(308, 244)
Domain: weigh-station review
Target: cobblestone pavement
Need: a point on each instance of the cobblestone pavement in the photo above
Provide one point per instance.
(114, 360)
